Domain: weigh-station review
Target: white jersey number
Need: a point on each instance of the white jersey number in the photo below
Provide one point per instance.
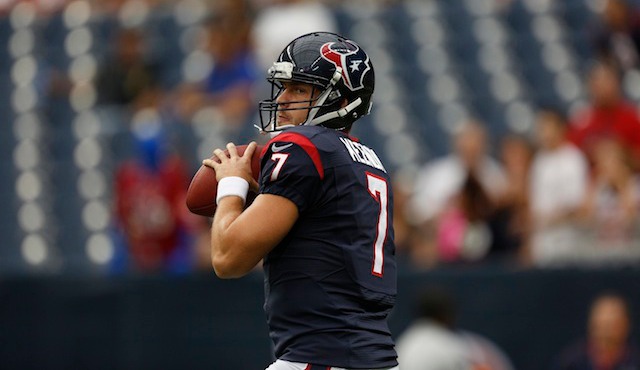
(378, 190)
(279, 158)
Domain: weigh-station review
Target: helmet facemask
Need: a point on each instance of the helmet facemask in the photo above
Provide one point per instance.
(322, 109)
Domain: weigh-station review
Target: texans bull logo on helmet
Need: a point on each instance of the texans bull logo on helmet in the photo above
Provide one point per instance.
(353, 62)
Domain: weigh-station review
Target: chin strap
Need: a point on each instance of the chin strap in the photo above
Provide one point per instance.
(338, 113)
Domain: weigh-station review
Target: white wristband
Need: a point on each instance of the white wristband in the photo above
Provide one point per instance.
(232, 186)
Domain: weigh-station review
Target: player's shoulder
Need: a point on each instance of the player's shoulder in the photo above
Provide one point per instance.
(300, 145)
(310, 138)
(309, 132)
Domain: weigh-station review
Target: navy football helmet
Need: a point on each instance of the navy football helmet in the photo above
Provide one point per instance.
(336, 66)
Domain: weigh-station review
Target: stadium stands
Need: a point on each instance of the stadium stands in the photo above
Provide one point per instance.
(436, 63)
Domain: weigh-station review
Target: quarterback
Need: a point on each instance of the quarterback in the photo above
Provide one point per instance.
(322, 221)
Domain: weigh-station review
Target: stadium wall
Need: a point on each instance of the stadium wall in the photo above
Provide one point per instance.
(201, 322)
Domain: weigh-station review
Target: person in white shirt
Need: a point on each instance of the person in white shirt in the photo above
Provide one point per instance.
(280, 21)
(442, 178)
(609, 216)
(432, 341)
(438, 189)
(559, 178)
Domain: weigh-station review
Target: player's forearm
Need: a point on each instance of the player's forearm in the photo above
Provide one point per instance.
(226, 241)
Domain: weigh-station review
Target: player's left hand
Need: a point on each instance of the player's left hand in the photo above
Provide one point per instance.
(230, 163)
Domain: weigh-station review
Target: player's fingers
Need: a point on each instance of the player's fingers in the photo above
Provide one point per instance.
(219, 153)
(210, 163)
(233, 151)
(251, 148)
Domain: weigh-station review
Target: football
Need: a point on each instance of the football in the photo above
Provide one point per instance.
(201, 195)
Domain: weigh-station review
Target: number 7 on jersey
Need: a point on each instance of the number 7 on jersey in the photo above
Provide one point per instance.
(379, 191)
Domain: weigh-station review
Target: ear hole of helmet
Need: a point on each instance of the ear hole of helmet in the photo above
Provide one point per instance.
(334, 96)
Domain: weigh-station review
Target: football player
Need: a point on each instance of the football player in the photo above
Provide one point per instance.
(323, 218)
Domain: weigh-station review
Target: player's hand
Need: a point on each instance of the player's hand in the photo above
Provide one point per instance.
(231, 164)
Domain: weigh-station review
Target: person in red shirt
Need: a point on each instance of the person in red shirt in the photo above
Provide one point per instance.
(149, 192)
(609, 115)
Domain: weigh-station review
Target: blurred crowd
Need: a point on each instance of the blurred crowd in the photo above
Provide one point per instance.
(566, 193)
(165, 106)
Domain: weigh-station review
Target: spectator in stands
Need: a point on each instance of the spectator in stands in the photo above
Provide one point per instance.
(462, 228)
(126, 72)
(403, 225)
(453, 196)
(610, 212)
(279, 21)
(510, 222)
(559, 176)
(432, 341)
(617, 35)
(607, 345)
(229, 86)
(608, 115)
(154, 230)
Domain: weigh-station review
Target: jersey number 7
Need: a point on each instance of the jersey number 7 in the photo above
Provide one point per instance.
(378, 190)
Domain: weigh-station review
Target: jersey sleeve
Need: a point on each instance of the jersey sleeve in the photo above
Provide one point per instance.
(291, 168)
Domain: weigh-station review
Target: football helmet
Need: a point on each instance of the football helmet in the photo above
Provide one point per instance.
(340, 70)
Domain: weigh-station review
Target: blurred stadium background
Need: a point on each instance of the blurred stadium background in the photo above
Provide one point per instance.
(436, 62)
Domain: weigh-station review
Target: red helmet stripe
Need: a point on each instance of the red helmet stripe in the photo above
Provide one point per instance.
(338, 59)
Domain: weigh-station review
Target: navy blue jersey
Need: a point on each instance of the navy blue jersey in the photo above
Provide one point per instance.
(331, 283)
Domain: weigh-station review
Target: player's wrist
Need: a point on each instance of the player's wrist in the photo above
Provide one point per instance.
(232, 186)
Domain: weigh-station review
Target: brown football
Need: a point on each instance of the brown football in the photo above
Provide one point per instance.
(201, 195)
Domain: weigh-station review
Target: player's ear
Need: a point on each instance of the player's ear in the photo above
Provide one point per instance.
(344, 103)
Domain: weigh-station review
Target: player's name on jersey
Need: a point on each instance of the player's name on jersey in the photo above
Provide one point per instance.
(362, 154)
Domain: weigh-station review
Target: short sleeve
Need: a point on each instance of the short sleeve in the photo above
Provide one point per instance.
(289, 170)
